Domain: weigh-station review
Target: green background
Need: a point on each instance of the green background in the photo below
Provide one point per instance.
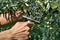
(45, 11)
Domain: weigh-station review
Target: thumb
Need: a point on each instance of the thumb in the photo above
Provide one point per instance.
(27, 23)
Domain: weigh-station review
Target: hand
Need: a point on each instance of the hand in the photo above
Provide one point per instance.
(20, 30)
(17, 15)
(10, 17)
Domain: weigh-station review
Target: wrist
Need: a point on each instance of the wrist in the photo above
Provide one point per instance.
(11, 35)
(5, 35)
(8, 34)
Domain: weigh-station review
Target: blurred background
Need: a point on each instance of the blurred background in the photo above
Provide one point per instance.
(47, 12)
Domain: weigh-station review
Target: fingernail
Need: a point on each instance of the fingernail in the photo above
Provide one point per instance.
(28, 21)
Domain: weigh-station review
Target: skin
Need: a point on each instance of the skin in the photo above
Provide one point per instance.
(20, 31)
(4, 21)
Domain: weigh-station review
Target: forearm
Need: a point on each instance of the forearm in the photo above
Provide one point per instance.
(7, 19)
(3, 20)
(10, 17)
(5, 35)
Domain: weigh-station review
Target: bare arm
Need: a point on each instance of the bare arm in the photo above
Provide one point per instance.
(18, 31)
(5, 35)
(7, 18)
(3, 20)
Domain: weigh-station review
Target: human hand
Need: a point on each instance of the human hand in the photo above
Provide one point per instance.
(10, 17)
(20, 30)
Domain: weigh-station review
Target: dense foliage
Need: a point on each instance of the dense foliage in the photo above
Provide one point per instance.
(45, 11)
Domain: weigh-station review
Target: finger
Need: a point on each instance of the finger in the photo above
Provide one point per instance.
(21, 36)
(18, 38)
(17, 26)
(21, 24)
(24, 29)
(27, 23)
(22, 33)
(18, 12)
(24, 24)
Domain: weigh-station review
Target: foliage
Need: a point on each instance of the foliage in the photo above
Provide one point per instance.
(45, 11)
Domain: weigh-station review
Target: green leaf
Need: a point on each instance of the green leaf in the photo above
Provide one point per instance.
(47, 12)
(54, 5)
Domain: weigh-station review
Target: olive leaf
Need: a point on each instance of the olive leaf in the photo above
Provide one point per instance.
(45, 11)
